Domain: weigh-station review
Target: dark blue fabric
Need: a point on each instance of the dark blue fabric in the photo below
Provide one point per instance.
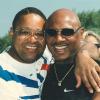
(8, 76)
(30, 97)
(51, 90)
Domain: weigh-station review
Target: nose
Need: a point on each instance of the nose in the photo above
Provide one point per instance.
(59, 37)
(32, 38)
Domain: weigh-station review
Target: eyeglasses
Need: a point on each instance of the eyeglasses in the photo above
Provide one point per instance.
(27, 32)
(64, 32)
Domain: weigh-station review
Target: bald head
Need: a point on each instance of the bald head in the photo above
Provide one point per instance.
(63, 16)
(63, 34)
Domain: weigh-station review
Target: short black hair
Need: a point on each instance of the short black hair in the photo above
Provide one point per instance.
(25, 11)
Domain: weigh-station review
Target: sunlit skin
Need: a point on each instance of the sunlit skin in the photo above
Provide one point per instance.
(91, 39)
(60, 46)
(93, 50)
(28, 48)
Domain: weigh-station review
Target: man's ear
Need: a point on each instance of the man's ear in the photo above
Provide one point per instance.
(82, 31)
(11, 32)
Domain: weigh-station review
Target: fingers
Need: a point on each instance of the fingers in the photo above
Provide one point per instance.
(88, 71)
(96, 96)
(78, 79)
(96, 81)
(87, 83)
(97, 74)
(81, 77)
(93, 82)
(97, 68)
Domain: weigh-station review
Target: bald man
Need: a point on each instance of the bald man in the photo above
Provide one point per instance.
(63, 36)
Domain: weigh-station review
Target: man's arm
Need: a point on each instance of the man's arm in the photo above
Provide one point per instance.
(87, 70)
(96, 96)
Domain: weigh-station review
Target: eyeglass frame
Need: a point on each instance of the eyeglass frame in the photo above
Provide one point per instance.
(35, 33)
(58, 31)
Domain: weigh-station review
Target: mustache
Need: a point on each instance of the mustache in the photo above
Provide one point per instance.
(60, 43)
(34, 44)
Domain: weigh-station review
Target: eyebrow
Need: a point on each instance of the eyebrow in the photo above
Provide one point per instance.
(27, 28)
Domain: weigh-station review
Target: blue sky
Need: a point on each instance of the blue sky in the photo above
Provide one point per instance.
(8, 8)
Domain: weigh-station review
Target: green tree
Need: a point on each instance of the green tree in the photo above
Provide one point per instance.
(4, 42)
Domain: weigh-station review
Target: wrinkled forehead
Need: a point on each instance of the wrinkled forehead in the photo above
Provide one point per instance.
(32, 21)
(63, 20)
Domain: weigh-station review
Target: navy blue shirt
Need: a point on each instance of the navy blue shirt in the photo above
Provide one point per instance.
(67, 91)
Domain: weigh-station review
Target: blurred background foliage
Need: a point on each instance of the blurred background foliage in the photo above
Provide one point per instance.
(90, 21)
(5, 42)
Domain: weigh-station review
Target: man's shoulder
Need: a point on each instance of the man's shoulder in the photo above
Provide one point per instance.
(3, 55)
(4, 59)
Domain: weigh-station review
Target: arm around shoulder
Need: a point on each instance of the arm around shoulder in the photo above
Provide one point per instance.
(96, 96)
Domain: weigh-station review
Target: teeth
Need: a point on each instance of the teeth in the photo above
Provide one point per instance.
(31, 47)
(60, 47)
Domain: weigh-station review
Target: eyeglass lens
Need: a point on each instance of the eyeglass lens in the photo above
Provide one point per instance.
(65, 32)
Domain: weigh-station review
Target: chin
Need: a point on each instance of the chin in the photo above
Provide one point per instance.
(34, 58)
(60, 59)
(63, 57)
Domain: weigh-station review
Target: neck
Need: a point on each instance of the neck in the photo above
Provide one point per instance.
(12, 52)
(65, 61)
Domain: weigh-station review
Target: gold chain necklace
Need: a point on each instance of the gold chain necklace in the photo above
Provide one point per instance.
(60, 81)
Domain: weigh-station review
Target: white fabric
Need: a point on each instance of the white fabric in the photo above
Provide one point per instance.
(19, 81)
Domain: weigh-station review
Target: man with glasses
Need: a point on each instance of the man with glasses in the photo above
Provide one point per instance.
(63, 35)
(20, 66)
(23, 67)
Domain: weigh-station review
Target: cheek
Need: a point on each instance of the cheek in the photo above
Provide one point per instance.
(18, 42)
(99, 52)
(75, 37)
(43, 44)
(75, 42)
(49, 41)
